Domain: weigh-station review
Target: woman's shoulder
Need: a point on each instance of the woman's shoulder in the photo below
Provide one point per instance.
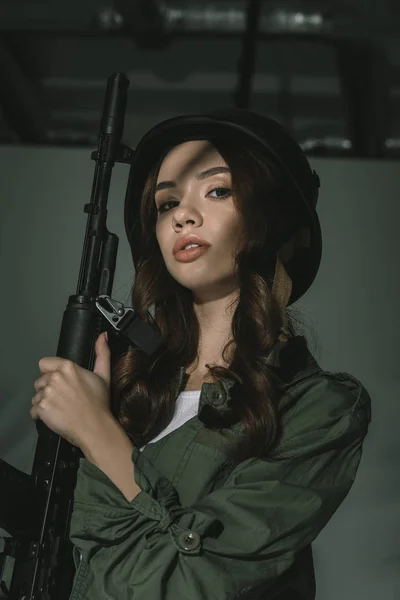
(308, 389)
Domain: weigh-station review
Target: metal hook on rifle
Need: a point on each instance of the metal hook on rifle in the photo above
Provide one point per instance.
(112, 310)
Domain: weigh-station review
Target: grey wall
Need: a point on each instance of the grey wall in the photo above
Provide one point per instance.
(352, 307)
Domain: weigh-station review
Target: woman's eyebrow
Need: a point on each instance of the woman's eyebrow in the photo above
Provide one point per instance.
(163, 185)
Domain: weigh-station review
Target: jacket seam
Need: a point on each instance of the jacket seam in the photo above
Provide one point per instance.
(149, 510)
(184, 460)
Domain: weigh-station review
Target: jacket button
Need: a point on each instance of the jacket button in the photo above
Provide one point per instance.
(189, 540)
(217, 398)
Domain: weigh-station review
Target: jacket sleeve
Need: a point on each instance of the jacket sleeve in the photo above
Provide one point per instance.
(243, 535)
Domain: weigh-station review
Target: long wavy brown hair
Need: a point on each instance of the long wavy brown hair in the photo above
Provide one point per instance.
(143, 389)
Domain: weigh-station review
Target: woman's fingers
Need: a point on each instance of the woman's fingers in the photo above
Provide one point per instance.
(37, 398)
(40, 383)
(33, 412)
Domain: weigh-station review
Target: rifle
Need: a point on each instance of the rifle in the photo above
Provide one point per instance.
(35, 509)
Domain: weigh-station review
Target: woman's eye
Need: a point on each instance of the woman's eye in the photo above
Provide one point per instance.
(222, 192)
(161, 209)
(219, 192)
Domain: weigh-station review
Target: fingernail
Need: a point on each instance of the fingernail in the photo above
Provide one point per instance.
(106, 336)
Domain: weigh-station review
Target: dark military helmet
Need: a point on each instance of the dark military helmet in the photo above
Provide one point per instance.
(263, 135)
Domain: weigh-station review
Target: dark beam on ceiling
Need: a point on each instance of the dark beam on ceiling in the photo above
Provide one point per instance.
(364, 74)
(248, 55)
(19, 100)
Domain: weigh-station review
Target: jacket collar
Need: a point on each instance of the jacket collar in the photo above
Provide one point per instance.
(290, 361)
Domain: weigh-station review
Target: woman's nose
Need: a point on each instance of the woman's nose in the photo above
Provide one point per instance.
(185, 213)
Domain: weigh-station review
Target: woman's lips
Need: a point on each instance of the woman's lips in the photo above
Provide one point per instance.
(191, 254)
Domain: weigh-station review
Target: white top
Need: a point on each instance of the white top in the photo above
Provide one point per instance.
(186, 407)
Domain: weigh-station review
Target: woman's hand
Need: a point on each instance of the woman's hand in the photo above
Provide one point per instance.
(72, 401)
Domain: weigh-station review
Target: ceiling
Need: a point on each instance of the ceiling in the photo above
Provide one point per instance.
(328, 70)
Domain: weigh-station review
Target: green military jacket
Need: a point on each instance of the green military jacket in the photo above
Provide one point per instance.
(205, 528)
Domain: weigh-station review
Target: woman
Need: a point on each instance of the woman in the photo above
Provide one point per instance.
(210, 467)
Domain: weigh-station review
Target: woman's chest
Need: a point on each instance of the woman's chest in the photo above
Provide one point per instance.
(193, 458)
(194, 380)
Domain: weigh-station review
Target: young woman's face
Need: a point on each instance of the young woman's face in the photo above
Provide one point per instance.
(194, 196)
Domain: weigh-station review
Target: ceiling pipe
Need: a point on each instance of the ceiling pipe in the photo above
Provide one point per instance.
(197, 18)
